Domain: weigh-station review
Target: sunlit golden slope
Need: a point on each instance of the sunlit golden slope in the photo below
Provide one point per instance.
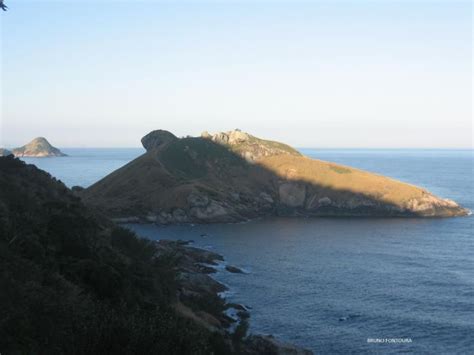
(342, 178)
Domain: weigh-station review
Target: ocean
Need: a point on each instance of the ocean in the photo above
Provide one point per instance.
(84, 166)
(340, 285)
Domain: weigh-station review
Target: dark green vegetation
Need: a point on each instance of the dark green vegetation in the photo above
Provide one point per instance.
(71, 282)
(340, 169)
(193, 165)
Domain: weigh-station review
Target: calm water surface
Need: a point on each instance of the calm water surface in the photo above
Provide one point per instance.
(84, 166)
(330, 284)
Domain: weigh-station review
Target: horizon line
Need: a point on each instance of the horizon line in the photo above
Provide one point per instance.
(296, 147)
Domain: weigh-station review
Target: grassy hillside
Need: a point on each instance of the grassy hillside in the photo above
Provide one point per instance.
(342, 178)
(188, 157)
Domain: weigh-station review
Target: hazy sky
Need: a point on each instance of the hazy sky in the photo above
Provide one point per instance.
(312, 74)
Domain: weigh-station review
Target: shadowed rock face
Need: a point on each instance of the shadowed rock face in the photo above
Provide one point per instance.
(4, 152)
(233, 176)
(157, 138)
(38, 147)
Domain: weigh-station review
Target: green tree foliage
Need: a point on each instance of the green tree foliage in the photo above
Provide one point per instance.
(72, 282)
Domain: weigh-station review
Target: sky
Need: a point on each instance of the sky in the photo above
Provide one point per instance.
(328, 74)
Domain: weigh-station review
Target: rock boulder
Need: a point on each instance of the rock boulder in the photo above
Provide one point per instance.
(157, 138)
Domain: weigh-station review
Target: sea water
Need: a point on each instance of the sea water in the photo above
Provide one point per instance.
(85, 166)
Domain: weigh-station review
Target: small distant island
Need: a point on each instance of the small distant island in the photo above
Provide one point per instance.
(234, 176)
(38, 148)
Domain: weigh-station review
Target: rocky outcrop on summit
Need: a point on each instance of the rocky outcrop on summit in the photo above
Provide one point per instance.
(233, 176)
(250, 147)
(39, 148)
(5, 152)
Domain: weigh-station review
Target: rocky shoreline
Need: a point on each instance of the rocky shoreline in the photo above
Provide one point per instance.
(195, 284)
(167, 219)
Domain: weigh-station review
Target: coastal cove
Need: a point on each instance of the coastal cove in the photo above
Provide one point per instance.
(329, 284)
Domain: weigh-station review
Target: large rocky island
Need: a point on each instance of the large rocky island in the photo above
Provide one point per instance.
(38, 148)
(234, 176)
